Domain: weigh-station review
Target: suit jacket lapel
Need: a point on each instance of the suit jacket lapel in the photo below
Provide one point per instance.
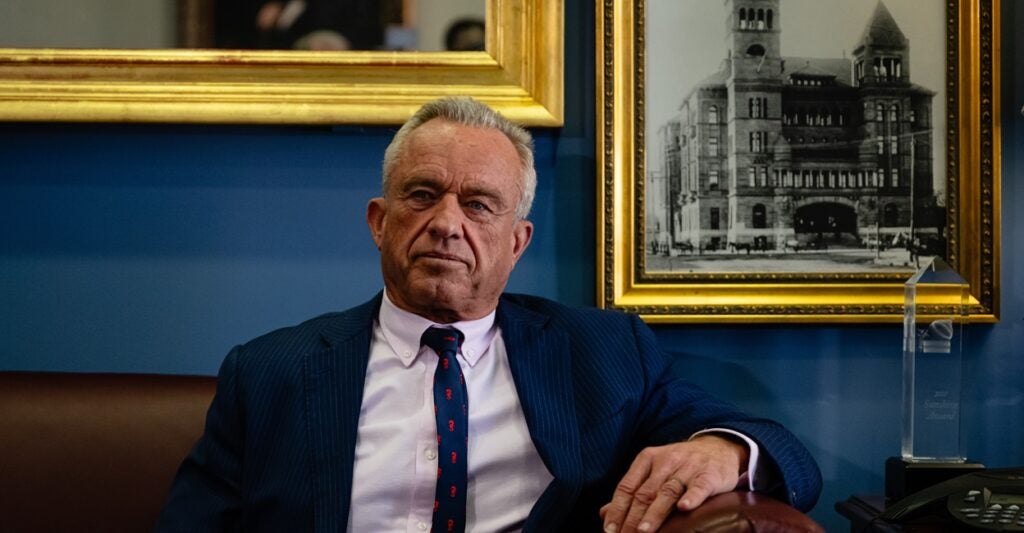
(541, 367)
(334, 380)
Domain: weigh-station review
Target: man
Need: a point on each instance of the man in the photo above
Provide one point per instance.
(519, 413)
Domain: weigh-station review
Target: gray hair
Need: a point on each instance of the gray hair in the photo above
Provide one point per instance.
(469, 112)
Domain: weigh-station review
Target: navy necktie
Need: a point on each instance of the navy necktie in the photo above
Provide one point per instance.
(450, 410)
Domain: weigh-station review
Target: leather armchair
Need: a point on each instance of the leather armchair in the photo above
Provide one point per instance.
(97, 452)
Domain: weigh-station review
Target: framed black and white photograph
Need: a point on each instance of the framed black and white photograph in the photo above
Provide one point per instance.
(770, 160)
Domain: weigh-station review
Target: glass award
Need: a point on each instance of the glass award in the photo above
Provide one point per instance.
(937, 304)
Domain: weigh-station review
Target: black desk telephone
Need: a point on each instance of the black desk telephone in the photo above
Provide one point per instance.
(989, 500)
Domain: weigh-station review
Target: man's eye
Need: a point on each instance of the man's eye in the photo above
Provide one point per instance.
(477, 206)
(420, 195)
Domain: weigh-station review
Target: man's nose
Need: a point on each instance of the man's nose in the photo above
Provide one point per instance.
(446, 219)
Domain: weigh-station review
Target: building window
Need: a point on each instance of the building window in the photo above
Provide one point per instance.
(757, 107)
(894, 113)
(757, 141)
(751, 176)
(879, 112)
(881, 146)
(714, 222)
(760, 216)
(713, 179)
(749, 19)
(891, 217)
(713, 146)
(894, 144)
(713, 114)
(763, 175)
(895, 177)
(888, 68)
(892, 67)
(768, 19)
(755, 50)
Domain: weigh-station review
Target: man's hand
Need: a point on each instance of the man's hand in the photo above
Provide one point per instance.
(679, 475)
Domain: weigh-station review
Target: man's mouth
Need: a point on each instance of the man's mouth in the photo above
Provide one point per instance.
(441, 256)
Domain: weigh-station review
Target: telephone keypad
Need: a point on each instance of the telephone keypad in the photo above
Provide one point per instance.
(996, 516)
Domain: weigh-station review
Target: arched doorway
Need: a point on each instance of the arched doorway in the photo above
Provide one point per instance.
(825, 224)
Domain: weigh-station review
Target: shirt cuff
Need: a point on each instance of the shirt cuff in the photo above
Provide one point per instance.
(751, 476)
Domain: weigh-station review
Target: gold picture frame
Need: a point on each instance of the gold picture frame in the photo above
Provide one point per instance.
(972, 188)
(520, 74)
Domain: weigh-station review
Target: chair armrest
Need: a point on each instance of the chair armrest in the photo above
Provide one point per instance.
(741, 512)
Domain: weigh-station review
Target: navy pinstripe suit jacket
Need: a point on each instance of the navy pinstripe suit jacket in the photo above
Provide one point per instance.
(277, 452)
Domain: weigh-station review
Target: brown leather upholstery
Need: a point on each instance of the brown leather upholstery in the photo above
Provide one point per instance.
(97, 452)
(93, 452)
(741, 512)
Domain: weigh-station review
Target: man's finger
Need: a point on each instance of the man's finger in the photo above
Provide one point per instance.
(652, 489)
(622, 499)
(671, 491)
(696, 492)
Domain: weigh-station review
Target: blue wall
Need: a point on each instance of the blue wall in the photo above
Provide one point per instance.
(155, 248)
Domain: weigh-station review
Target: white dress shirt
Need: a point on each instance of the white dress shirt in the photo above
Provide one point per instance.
(396, 446)
(395, 468)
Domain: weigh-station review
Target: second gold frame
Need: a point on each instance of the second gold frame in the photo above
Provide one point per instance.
(972, 193)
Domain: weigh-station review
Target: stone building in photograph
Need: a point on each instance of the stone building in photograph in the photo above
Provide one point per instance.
(790, 153)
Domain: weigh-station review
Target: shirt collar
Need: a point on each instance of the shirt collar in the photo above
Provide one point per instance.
(402, 331)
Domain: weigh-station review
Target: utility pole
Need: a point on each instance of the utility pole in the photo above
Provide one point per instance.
(913, 184)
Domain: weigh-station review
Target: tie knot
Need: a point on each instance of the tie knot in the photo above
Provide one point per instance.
(442, 340)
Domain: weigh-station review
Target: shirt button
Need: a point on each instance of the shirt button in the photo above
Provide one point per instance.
(422, 526)
(431, 455)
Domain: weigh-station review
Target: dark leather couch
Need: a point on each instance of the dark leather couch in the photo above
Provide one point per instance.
(97, 452)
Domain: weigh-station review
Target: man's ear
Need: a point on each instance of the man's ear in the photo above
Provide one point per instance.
(521, 234)
(375, 211)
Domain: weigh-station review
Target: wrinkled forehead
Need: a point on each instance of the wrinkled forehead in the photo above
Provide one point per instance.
(452, 149)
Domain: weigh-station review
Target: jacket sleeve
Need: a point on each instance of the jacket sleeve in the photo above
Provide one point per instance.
(674, 409)
(205, 494)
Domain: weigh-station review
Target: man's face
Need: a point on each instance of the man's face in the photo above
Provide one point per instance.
(446, 228)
